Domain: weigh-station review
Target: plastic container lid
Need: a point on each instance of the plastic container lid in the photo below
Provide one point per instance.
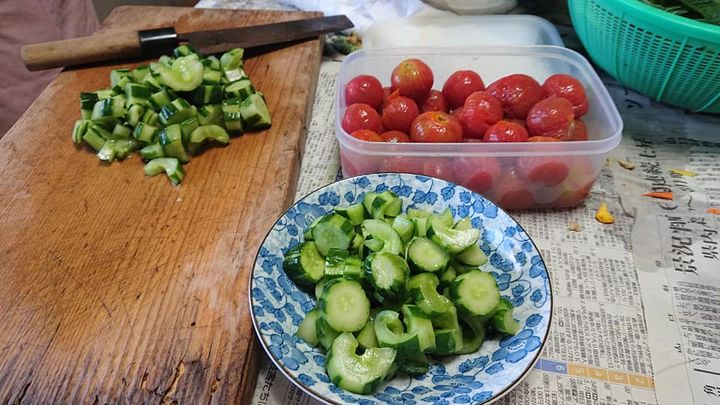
(462, 31)
(474, 6)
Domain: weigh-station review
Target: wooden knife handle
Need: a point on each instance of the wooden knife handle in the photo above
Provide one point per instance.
(96, 48)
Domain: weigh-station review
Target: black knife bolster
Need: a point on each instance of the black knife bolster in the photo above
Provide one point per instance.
(157, 40)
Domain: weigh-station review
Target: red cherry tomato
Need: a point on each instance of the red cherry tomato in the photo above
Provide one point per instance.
(577, 132)
(435, 126)
(367, 135)
(442, 168)
(460, 85)
(354, 164)
(364, 89)
(477, 173)
(395, 136)
(505, 131)
(399, 112)
(542, 139)
(570, 88)
(578, 183)
(517, 93)
(435, 101)
(511, 193)
(361, 116)
(522, 123)
(389, 95)
(550, 171)
(413, 78)
(551, 117)
(481, 110)
(402, 164)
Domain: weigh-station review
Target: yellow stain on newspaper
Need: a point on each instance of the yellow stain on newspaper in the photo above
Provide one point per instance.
(684, 172)
(625, 164)
(603, 215)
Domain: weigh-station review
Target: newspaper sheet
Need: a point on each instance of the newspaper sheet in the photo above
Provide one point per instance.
(675, 242)
(636, 317)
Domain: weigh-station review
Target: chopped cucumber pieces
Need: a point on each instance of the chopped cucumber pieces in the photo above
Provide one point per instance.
(359, 374)
(170, 166)
(377, 274)
(170, 108)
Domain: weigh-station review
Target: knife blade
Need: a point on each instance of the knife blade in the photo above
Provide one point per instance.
(106, 47)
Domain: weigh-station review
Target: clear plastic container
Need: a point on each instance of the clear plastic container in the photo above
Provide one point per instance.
(506, 173)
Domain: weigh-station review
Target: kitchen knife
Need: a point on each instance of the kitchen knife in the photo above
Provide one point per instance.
(103, 47)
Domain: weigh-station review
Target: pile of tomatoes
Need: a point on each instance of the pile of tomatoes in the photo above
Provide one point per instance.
(515, 108)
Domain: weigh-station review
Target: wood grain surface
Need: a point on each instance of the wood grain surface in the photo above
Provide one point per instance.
(120, 288)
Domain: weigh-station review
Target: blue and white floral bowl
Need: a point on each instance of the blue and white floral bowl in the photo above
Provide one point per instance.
(278, 305)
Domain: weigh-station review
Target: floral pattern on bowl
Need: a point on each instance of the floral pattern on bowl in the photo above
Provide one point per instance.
(278, 306)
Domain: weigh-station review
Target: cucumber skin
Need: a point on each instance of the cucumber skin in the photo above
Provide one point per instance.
(414, 317)
(476, 327)
(445, 342)
(497, 320)
(430, 282)
(414, 366)
(407, 345)
(293, 267)
(325, 334)
(310, 337)
(449, 322)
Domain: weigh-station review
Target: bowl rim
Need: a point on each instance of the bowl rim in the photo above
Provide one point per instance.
(308, 390)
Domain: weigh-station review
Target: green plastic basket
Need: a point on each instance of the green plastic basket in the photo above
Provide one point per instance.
(673, 59)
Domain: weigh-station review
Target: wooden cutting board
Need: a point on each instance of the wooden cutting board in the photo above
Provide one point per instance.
(120, 288)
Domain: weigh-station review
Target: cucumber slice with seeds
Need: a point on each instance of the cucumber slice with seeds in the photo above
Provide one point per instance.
(390, 333)
(426, 255)
(392, 243)
(333, 231)
(453, 240)
(344, 305)
(475, 293)
(423, 288)
(359, 374)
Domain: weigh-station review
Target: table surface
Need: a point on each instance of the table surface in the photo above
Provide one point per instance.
(622, 330)
(121, 288)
